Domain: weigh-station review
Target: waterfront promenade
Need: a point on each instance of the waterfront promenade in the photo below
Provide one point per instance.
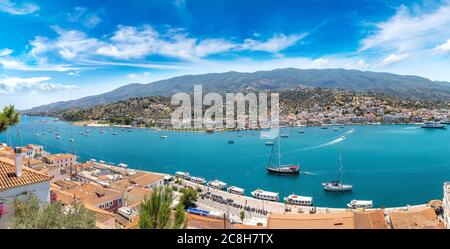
(269, 206)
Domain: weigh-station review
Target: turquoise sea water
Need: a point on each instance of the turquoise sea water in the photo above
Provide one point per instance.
(392, 165)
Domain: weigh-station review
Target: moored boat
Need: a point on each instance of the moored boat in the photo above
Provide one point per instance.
(269, 143)
(198, 180)
(265, 195)
(284, 135)
(294, 199)
(164, 136)
(354, 204)
(183, 175)
(217, 184)
(235, 190)
(122, 165)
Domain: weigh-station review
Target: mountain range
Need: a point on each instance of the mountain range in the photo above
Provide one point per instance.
(404, 86)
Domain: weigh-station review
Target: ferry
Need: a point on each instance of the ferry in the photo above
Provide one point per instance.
(217, 184)
(198, 180)
(355, 204)
(265, 195)
(433, 125)
(183, 175)
(235, 190)
(299, 200)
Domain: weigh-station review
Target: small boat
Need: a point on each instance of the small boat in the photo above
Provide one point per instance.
(198, 180)
(445, 121)
(183, 175)
(230, 142)
(301, 131)
(115, 133)
(71, 139)
(299, 200)
(235, 190)
(337, 186)
(269, 143)
(102, 162)
(217, 184)
(335, 129)
(355, 204)
(122, 165)
(265, 195)
(102, 131)
(433, 125)
(58, 137)
(163, 136)
(323, 127)
(93, 160)
(284, 135)
(36, 135)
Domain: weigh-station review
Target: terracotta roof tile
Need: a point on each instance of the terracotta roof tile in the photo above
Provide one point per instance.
(8, 178)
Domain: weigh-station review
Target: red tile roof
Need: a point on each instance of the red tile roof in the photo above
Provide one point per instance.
(8, 178)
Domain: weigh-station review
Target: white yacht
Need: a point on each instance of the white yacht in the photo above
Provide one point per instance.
(355, 204)
(198, 180)
(432, 125)
(299, 200)
(265, 195)
(337, 186)
(217, 184)
(183, 175)
(235, 190)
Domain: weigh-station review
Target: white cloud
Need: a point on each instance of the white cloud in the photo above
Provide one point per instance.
(408, 32)
(17, 64)
(275, 44)
(83, 16)
(5, 51)
(129, 42)
(32, 85)
(13, 8)
(395, 58)
(443, 48)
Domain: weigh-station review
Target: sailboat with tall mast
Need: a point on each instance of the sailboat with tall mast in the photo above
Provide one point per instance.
(289, 169)
(337, 186)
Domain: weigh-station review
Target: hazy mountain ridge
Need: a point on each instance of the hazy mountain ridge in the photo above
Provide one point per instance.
(413, 87)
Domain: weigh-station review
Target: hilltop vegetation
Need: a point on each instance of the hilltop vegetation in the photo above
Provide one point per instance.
(156, 110)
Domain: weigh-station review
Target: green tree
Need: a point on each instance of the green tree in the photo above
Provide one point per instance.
(242, 215)
(189, 197)
(31, 214)
(8, 117)
(156, 211)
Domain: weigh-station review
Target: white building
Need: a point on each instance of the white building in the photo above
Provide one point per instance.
(17, 182)
(447, 204)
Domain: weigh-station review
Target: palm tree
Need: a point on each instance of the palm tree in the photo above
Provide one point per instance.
(156, 211)
(8, 117)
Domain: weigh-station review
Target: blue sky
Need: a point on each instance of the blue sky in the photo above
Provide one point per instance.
(55, 50)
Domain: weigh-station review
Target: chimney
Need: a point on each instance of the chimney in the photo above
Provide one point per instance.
(18, 161)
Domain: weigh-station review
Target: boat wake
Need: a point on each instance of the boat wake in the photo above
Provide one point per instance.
(411, 128)
(308, 173)
(335, 141)
(349, 131)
